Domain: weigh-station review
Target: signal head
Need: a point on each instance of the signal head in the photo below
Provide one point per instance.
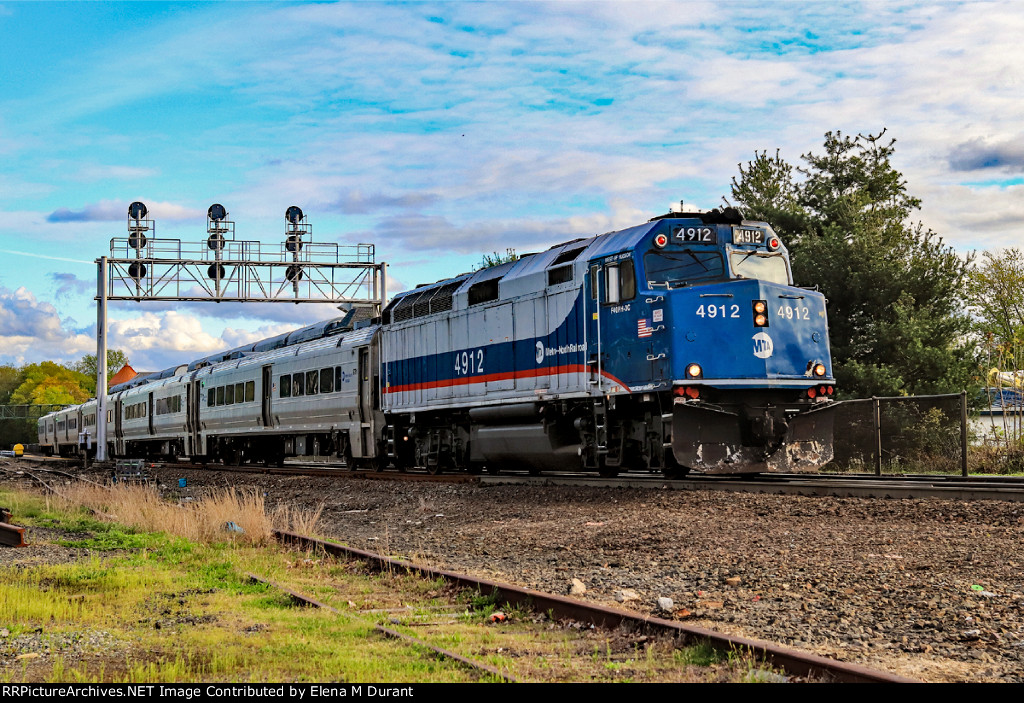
(293, 214)
(137, 210)
(217, 212)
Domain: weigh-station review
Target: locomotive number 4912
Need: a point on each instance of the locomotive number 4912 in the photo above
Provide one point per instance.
(718, 311)
(469, 362)
(707, 235)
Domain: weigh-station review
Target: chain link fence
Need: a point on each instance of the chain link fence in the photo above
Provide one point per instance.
(913, 434)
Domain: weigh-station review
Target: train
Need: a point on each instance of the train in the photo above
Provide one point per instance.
(678, 344)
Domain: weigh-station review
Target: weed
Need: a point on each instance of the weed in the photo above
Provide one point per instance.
(700, 654)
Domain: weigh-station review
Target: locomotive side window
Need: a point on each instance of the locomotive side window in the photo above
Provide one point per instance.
(298, 384)
(326, 380)
(286, 386)
(611, 284)
(619, 282)
(627, 279)
(593, 281)
(677, 267)
(250, 391)
(311, 382)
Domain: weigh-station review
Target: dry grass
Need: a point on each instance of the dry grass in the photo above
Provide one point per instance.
(222, 515)
(301, 521)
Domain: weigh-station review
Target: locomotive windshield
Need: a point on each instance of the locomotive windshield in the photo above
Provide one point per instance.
(680, 267)
(764, 267)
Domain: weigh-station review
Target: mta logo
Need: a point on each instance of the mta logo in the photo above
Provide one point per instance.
(763, 345)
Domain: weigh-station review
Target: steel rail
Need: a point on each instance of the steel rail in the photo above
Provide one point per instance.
(806, 486)
(821, 485)
(604, 616)
(12, 535)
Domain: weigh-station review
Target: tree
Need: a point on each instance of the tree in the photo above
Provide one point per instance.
(10, 378)
(116, 359)
(897, 323)
(767, 192)
(48, 383)
(994, 292)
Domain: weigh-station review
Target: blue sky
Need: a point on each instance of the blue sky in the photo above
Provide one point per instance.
(444, 131)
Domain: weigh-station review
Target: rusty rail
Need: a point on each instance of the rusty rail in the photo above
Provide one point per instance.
(12, 535)
(792, 661)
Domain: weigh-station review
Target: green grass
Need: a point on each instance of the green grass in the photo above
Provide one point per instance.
(146, 607)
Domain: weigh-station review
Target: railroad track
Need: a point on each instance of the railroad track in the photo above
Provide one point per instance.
(823, 485)
(957, 487)
(792, 661)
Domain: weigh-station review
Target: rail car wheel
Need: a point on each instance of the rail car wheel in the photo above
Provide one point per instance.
(673, 469)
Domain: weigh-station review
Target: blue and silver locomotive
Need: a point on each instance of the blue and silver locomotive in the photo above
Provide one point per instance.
(677, 344)
(680, 343)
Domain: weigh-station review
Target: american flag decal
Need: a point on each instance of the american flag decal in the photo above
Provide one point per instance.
(643, 329)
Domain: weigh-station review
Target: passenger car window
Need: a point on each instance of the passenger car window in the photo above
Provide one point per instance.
(286, 386)
(298, 384)
(311, 382)
(326, 380)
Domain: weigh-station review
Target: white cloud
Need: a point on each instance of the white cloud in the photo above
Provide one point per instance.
(91, 172)
(33, 330)
(117, 210)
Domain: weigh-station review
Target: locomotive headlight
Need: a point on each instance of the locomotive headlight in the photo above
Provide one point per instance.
(694, 371)
(661, 240)
(760, 308)
(819, 369)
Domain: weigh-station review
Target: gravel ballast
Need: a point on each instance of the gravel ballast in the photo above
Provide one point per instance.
(926, 588)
